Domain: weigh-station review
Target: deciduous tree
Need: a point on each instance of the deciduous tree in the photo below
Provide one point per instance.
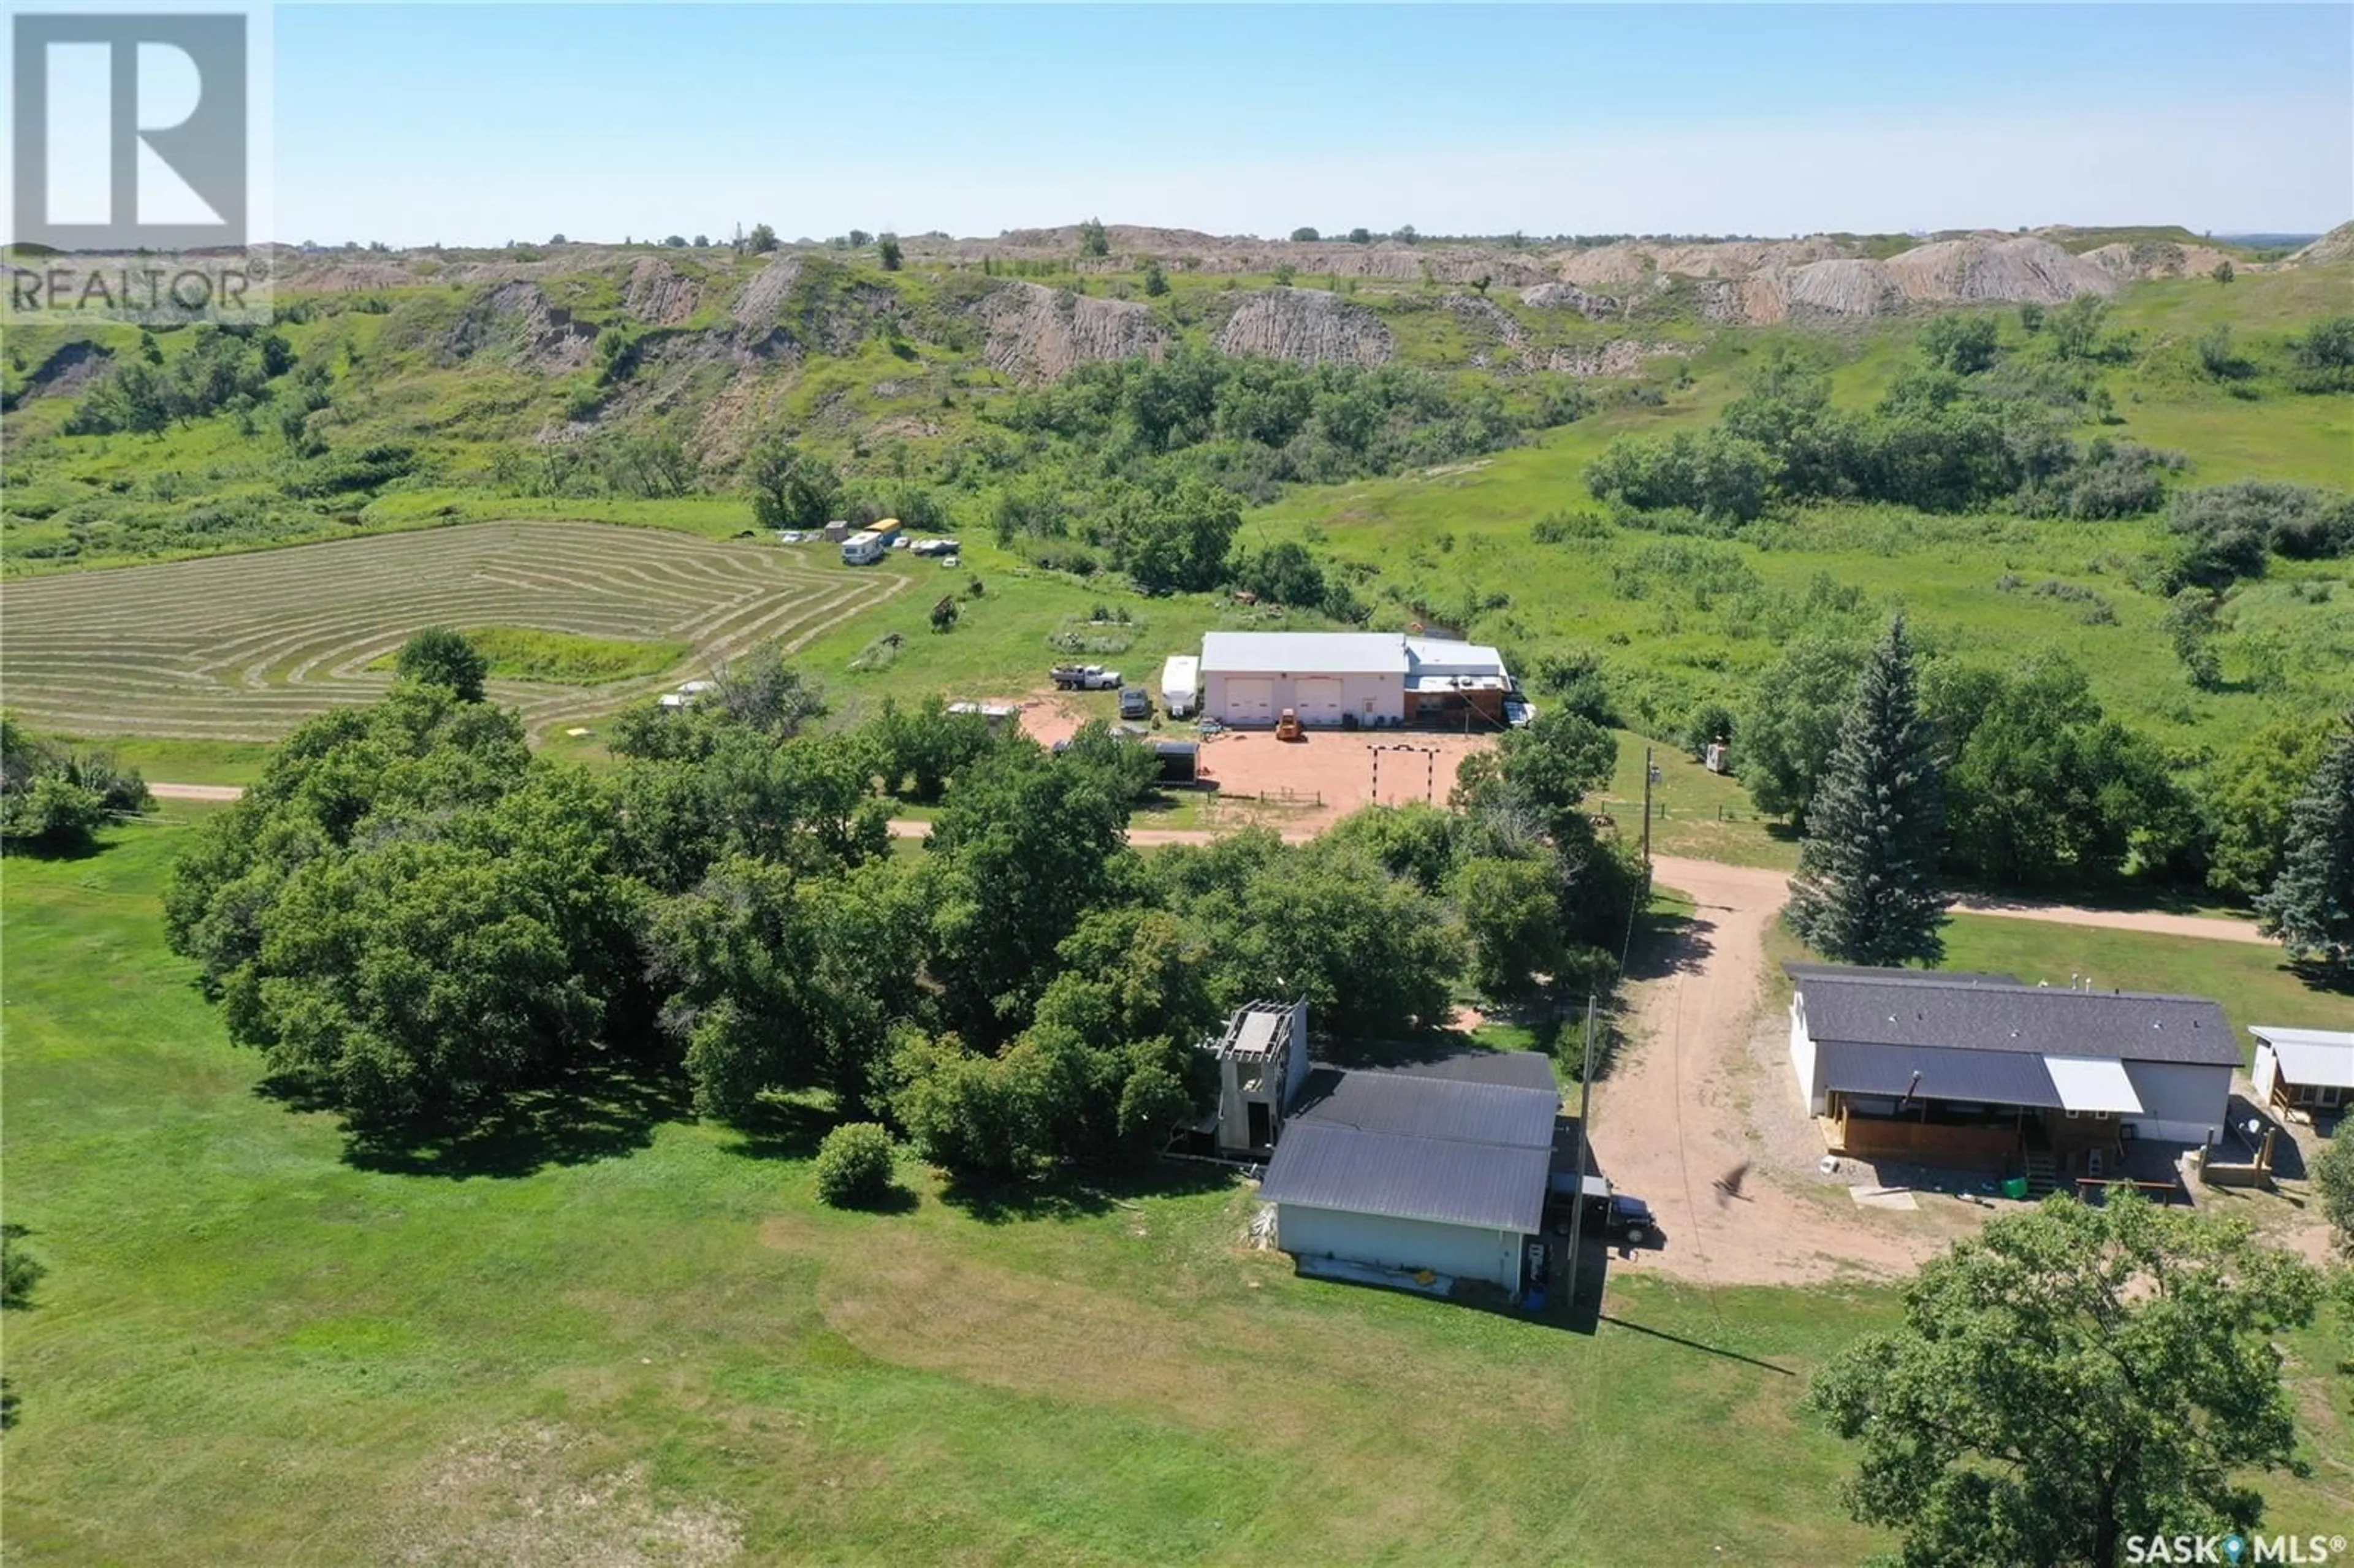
(790, 488)
(2042, 788)
(2247, 799)
(1792, 720)
(441, 657)
(2333, 1185)
(1511, 921)
(2071, 1376)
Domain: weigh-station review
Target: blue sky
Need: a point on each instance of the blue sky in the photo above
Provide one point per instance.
(475, 124)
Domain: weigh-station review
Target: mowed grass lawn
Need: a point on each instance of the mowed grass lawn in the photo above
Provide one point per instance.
(657, 1347)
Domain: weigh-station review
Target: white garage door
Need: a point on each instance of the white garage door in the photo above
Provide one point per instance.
(1319, 699)
(1250, 701)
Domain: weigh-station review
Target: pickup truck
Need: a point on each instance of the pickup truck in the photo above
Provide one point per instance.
(1085, 678)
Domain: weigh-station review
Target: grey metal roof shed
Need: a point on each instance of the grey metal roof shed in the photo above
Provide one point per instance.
(1409, 1145)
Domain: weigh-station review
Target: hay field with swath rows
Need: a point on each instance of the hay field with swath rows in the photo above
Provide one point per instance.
(243, 647)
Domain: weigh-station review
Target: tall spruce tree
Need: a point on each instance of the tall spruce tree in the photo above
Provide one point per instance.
(2310, 905)
(1866, 890)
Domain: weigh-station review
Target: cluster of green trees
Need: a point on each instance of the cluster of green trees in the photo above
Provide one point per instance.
(1288, 573)
(1144, 467)
(416, 920)
(1253, 423)
(1951, 435)
(20, 1271)
(2016, 777)
(53, 800)
(2322, 359)
(222, 367)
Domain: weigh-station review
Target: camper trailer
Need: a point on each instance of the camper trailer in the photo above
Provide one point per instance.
(1181, 684)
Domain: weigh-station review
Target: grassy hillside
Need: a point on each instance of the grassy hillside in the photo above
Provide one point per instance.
(623, 387)
(1679, 619)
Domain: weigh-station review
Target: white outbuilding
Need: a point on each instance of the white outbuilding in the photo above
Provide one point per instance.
(2304, 1073)
(1370, 679)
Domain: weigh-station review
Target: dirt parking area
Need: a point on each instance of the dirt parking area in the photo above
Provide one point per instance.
(1699, 1118)
(1318, 779)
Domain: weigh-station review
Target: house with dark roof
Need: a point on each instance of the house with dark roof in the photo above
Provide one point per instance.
(1443, 1166)
(1984, 1072)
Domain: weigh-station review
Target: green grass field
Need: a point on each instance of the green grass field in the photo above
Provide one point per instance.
(2255, 984)
(646, 1334)
(564, 658)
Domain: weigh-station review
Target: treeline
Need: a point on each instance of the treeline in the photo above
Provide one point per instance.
(1965, 430)
(1167, 534)
(224, 366)
(1958, 432)
(1257, 422)
(2044, 790)
(416, 919)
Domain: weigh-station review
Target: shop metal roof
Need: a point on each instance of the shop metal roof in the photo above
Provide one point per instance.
(1410, 1145)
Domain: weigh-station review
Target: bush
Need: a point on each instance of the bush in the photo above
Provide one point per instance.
(2324, 357)
(2229, 530)
(854, 1165)
(1561, 527)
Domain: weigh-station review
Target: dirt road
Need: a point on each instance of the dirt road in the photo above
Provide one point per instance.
(1674, 1121)
(196, 792)
(2214, 927)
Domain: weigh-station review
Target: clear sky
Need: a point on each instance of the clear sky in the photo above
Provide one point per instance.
(477, 124)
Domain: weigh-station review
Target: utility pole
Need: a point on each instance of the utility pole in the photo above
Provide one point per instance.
(1649, 772)
(1578, 1204)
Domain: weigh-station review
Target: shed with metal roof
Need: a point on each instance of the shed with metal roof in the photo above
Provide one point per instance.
(1370, 679)
(2304, 1073)
(1442, 1168)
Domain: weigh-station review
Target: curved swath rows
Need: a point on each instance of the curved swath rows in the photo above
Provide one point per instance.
(242, 647)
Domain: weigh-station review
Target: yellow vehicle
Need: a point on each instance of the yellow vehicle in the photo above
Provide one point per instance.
(1288, 727)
